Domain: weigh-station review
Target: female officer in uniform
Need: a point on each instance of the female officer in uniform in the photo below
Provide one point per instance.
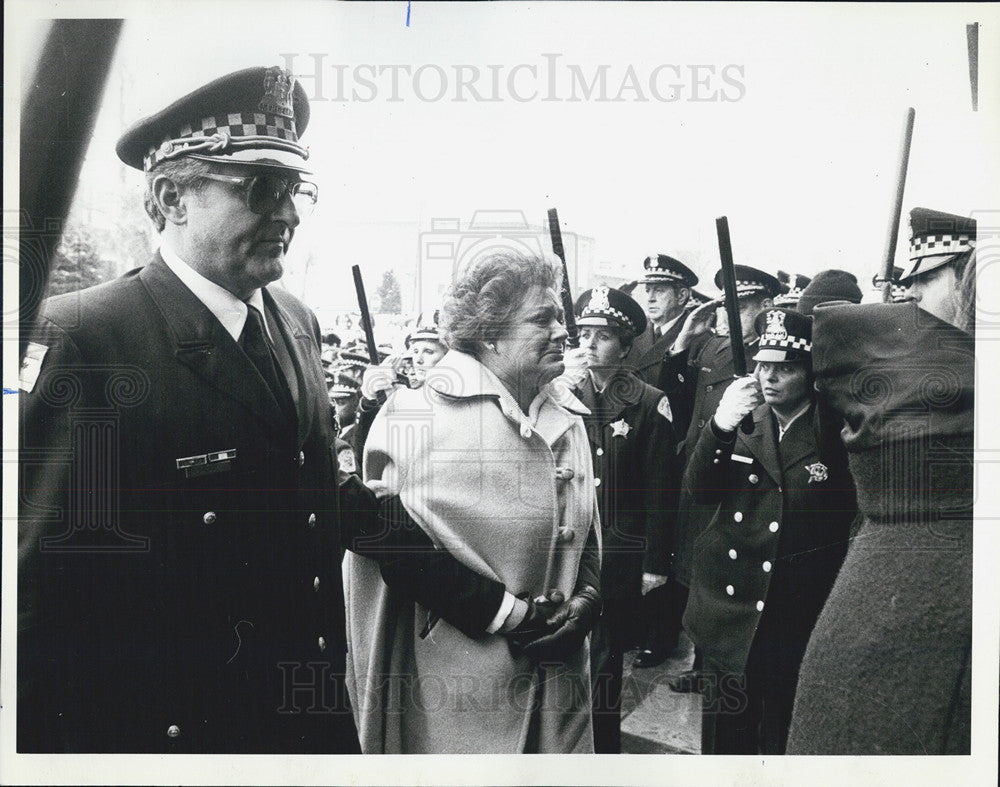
(763, 568)
(633, 447)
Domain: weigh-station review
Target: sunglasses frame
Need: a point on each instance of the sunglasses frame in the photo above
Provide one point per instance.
(245, 184)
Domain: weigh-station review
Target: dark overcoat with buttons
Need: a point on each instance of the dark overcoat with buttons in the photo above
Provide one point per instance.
(772, 551)
(694, 381)
(166, 605)
(634, 451)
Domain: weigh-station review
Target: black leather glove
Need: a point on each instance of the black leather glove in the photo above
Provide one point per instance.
(567, 628)
(534, 624)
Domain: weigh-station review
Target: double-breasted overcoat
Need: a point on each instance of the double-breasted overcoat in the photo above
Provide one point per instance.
(178, 553)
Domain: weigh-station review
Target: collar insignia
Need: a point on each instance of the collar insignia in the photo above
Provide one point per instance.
(817, 473)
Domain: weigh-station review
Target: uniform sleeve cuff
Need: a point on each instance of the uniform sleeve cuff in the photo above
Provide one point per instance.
(506, 605)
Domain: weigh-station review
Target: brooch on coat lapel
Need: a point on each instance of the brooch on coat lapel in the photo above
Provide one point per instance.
(620, 429)
(817, 472)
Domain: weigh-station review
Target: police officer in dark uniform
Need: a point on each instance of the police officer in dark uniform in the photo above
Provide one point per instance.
(668, 284)
(179, 530)
(763, 568)
(694, 376)
(633, 447)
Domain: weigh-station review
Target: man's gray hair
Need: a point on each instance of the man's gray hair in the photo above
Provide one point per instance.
(183, 172)
(488, 292)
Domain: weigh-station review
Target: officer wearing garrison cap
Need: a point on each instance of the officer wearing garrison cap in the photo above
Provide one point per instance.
(633, 448)
(694, 376)
(179, 585)
(667, 284)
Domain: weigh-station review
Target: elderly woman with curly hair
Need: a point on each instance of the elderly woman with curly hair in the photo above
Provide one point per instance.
(492, 464)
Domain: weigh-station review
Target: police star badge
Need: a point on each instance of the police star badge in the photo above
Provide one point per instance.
(620, 429)
(817, 472)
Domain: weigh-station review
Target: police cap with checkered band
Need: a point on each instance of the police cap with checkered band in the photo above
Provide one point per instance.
(253, 116)
(792, 286)
(752, 281)
(604, 306)
(936, 238)
(785, 335)
(661, 269)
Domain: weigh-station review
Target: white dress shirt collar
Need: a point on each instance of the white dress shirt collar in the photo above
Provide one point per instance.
(227, 308)
(667, 325)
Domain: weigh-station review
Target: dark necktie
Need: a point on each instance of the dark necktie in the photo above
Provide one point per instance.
(657, 332)
(254, 342)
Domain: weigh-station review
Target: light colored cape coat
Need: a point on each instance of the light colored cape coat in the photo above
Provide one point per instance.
(481, 479)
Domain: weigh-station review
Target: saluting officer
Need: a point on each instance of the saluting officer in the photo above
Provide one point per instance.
(633, 447)
(668, 284)
(763, 568)
(694, 376)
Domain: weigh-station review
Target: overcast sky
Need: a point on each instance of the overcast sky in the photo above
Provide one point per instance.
(796, 140)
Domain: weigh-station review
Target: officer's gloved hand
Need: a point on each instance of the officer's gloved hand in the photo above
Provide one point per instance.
(574, 368)
(652, 581)
(738, 400)
(568, 626)
(377, 380)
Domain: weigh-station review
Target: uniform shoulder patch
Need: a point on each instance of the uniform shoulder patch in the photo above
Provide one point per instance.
(31, 366)
(663, 408)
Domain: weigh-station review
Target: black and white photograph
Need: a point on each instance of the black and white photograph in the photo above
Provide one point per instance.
(604, 380)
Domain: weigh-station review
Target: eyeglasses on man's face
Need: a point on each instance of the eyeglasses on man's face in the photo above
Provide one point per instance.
(264, 192)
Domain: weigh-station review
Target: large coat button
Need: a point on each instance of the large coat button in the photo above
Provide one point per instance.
(564, 535)
(701, 423)
(730, 590)
(766, 566)
(209, 518)
(753, 478)
(738, 516)
(301, 458)
(564, 473)
(316, 584)
(597, 482)
(173, 731)
(732, 554)
(599, 452)
(709, 387)
(760, 606)
(312, 520)
(773, 527)
(322, 644)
